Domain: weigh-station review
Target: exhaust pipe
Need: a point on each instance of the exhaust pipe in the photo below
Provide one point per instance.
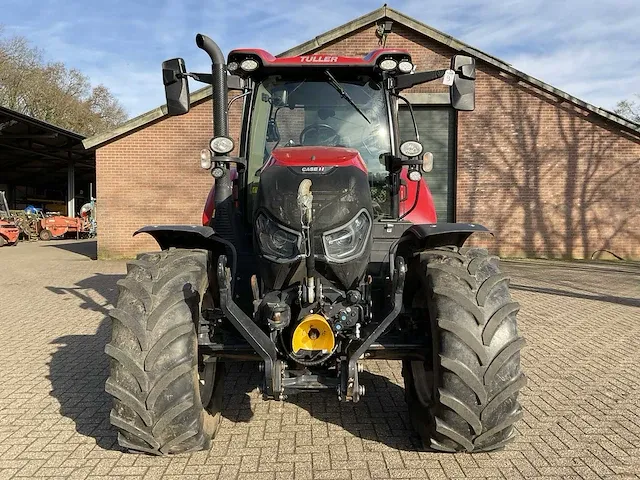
(219, 86)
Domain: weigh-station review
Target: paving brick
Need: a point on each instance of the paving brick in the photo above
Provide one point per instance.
(581, 405)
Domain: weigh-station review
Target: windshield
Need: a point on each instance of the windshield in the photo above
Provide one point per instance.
(313, 112)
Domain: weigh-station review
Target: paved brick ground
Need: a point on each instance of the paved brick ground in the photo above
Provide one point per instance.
(582, 403)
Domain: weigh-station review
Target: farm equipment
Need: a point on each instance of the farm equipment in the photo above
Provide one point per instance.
(319, 248)
(88, 215)
(56, 226)
(9, 232)
(28, 221)
(34, 224)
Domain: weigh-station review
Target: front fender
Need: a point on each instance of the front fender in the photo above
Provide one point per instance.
(189, 237)
(430, 235)
(192, 237)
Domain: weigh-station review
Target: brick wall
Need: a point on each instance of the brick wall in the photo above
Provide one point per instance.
(153, 176)
(548, 179)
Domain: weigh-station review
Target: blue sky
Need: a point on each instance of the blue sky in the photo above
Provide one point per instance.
(588, 48)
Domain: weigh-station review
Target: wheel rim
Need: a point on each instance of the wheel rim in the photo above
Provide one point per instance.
(422, 382)
(207, 378)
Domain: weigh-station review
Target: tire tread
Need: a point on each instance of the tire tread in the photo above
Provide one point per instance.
(477, 373)
(153, 379)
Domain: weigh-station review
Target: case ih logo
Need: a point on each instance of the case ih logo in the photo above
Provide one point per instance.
(313, 169)
(318, 59)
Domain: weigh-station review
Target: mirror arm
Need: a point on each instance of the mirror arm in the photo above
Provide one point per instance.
(233, 82)
(411, 79)
(200, 77)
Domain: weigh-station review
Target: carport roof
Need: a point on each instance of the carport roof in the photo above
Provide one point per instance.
(381, 13)
(29, 146)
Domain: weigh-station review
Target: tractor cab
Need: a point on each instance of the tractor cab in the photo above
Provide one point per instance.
(320, 105)
(343, 102)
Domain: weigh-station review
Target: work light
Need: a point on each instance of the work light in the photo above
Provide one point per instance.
(405, 66)
(388, 64)
(221, 145)
(411, 148)
(249, 65)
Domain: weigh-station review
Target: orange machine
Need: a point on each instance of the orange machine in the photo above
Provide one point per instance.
(9, 233)
(59, 226)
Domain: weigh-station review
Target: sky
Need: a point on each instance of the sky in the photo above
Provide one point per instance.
(588, 48)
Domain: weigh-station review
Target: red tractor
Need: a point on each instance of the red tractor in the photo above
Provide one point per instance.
(319, 248)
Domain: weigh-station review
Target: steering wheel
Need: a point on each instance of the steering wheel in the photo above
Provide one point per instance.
(332, 139)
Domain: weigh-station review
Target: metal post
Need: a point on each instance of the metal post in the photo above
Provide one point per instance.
(71, 190)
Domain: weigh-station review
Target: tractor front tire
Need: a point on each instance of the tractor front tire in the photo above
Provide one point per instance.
(464, 397)
(154, 377)
(45, 235)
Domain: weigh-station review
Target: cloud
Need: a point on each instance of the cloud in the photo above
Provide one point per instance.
(588, 49)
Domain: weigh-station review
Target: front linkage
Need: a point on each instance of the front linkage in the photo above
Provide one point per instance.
(275, 385)
(350, 388)
(252, 333)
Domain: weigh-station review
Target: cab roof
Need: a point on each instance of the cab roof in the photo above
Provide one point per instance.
(267, 60)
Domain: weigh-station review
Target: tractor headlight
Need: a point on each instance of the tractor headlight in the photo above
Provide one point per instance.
(277, 242)
(221, 145)
(349, 241)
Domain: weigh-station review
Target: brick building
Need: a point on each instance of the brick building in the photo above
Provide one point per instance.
(549, 174)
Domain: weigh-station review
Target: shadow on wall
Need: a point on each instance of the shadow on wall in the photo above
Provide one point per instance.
(552, 167)
(79, 369)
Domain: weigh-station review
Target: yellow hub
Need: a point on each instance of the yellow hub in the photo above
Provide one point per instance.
(313, 333)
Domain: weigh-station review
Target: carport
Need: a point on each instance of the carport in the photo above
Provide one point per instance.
(43, 165)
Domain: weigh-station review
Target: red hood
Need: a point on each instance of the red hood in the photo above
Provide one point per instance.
(317, 156)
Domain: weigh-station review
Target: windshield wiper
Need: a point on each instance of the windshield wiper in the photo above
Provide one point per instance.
(335, 84)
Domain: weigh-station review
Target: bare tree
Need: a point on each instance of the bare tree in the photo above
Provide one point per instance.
(629, 109)
(52, 92)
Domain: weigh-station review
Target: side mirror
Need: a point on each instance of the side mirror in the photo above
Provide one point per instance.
(176, 86)
(463, 90)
